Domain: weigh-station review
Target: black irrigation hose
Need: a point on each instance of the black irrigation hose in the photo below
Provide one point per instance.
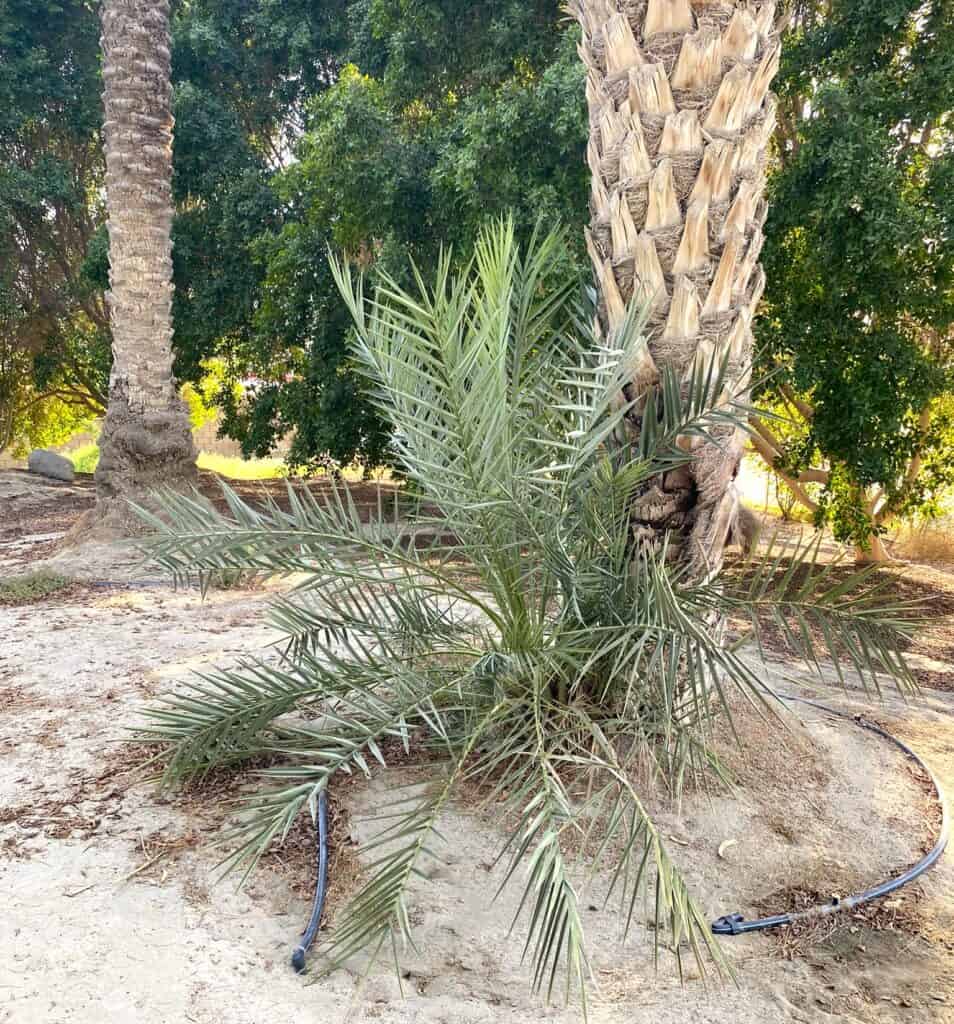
(321, 887)
(730, 924)
(321, 825)
(736, 924)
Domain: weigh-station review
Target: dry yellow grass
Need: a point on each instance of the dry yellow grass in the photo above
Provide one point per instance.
(927, 542)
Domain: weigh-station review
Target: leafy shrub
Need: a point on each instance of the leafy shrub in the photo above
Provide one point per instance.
(30, 587)
(539, 655)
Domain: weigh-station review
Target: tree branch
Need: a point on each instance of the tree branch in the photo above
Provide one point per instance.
(914, 468)
(807, 476)
(770, 457)
(766, 435)
(814, 476)
(805, 408)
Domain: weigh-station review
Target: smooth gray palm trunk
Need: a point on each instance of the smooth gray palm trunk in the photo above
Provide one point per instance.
(147, 439)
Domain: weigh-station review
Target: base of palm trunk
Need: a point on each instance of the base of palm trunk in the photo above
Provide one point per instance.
(140, 453)
(669, 514)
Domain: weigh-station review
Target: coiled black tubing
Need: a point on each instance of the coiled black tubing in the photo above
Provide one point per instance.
(730, 924)
(736, 924)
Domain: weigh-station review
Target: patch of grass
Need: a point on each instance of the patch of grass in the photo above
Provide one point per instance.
(242, 469)
(30, 587)
(234, 579)
(928, 542)
(275, 469)
(86, 458)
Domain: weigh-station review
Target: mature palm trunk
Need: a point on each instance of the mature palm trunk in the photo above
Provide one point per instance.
(147, 440)
(680, 119)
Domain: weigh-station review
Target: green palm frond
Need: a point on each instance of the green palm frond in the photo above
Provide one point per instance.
(224, 718)
(529, 647)
(820, 611)
(395, 613)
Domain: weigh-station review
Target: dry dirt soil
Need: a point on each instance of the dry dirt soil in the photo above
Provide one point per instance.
(112, 909)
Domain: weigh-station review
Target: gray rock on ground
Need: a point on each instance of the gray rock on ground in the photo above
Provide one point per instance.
(50, 464)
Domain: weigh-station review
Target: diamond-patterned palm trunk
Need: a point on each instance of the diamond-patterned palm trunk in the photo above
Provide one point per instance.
(147, 437)
(681, 115)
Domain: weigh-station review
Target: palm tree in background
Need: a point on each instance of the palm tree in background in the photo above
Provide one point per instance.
(147, 439)
(680, 119)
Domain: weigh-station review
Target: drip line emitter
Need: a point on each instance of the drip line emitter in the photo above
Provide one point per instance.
(729, 924)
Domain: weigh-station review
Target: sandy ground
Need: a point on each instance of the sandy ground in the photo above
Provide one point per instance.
(112, 910)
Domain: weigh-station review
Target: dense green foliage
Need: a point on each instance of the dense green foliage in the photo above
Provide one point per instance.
(241, 72)
(541, 657)
(443, 120)
(53, 324)
(860, 250)
(278, 156)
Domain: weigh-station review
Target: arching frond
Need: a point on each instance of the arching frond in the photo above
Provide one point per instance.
(533, 646)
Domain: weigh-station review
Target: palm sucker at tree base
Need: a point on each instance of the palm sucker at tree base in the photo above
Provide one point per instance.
(681, 115)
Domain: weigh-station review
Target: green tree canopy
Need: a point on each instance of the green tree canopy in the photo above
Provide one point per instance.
(242, 71)
(388, 129)
(53, 323)
(452, 117)
(444, 119)
(860, 256)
